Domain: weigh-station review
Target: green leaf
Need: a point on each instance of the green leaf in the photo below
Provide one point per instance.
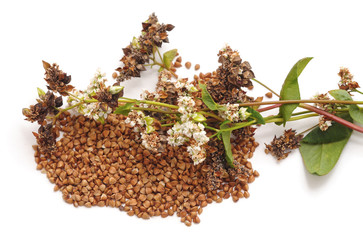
(226, 138)
(124, 109)
(335, 132)
(340, 94)
(160, 69)
(355, 112)
(320, 159)
(256, 115)
(290, 88)
(168, 57)
(207, 98)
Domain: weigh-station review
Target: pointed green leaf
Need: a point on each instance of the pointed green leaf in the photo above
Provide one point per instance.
(226, 138)
(355, 112)
(335, 132)
(340, 94)
(168, 57)
(207, 98)
(256, 115)
(124, 109)
(320, 159)
(290, 89)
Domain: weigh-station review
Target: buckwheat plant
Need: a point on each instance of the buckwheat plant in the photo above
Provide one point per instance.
(202, 113)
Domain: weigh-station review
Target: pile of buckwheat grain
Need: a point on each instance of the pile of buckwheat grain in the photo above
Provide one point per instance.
(105, 165)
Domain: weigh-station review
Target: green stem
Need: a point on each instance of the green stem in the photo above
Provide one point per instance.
(161, 58)
(130, 100)
(159, 104)
(153, 110)
(66, 109)
(71, 94)
(238, 126)
(291, 119)
(212, 115)
(266, 87)
(213, 135)
(355, 90)
(307, 130)
(167, 124)
(211, 128)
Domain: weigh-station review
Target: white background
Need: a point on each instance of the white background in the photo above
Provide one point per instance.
(286, 201)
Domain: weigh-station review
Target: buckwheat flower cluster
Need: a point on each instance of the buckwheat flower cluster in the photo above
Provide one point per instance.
(234, 113)
(146, 95)
(95, 110)
(189, 131)
(184, 86)
(324, 123)
(346, 80)
(151, 141)
(230, 113)
(136, 119)
(146, 126)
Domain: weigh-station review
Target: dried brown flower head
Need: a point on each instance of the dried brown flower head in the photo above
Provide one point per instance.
(346, 80)
(46, 138)
(329, 107)
(137, 53)
(280, 147)
(105, 96)
(154, 33)
(232, 74)
(47, 104)
(57, 79)
(166, 89)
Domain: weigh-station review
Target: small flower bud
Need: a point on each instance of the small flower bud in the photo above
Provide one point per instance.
(243, 114)
(150, 129)
(41, 93)
(192, 89)
(116, 89)
(135, 43)
(149, 120)
(26, 111)
(198, 117)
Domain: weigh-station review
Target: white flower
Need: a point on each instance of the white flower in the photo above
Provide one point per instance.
(185, 104)
(243, 114)
(197, 154)
(231, 113)
(179, 84)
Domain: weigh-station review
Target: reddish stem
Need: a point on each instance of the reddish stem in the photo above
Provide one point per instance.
(333, 117)
(268, 108)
